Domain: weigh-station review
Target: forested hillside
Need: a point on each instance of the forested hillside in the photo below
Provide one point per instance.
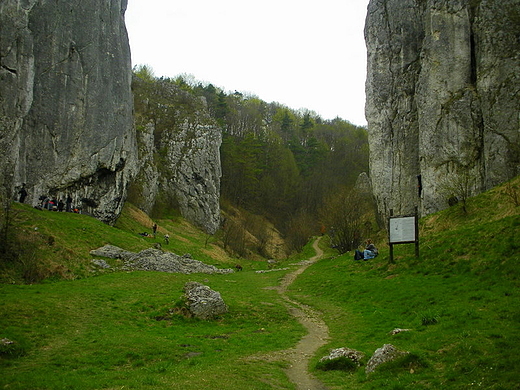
(283, 164)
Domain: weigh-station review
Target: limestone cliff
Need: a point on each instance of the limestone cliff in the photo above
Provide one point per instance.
(179, 154)
(66, 122)
(443, 100)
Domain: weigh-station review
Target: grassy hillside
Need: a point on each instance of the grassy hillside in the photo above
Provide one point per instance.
(57, 245)
(120, 329)
(461, 300)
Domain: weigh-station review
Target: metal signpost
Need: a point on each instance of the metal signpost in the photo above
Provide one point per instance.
(403, 230)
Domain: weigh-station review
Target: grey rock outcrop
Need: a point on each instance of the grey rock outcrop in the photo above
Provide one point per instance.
(66, 125)
(352, 354)
(157, 260)
(102, 264)
(442, 98)
(203, 302)
(382, 355)
(179, 158)
(111, 252)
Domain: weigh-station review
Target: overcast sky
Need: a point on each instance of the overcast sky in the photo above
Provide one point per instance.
(300, 53)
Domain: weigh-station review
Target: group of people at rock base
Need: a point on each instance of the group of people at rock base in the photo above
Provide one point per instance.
(368, 253)
(47, 203)
(53, 204)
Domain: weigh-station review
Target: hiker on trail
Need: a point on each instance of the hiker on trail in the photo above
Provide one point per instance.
(167, 238)
(154, 228)
(369, 252)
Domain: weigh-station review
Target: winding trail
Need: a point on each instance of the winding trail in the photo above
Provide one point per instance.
(317, 336)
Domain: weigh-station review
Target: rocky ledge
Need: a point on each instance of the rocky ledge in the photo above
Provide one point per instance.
(154, 259)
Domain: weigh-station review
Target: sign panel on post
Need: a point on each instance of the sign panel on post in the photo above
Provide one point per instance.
(402, 229)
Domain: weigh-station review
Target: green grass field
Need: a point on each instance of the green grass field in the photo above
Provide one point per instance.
(118, 330)
(80, 329)
(461, 300)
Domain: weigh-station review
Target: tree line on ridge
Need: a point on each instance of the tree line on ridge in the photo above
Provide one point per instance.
(289, 166)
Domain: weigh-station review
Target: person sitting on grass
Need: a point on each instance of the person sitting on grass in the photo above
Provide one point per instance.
(369, 252)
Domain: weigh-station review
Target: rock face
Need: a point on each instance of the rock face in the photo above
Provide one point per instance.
(67, 125)
(442, 98)
(179, 154)
(66, 122)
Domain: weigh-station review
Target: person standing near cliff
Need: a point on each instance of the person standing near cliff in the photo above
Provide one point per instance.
(68, 204)
(23, 193)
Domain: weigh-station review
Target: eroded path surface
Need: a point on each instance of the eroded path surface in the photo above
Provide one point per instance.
(318, 332)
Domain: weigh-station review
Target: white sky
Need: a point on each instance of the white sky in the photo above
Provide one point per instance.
(300, 53)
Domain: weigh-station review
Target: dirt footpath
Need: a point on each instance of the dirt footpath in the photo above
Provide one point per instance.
(318, 332)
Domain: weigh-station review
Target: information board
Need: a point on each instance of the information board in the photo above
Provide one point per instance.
(402, 229)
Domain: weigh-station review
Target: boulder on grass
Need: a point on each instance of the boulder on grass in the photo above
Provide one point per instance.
(203, 302)
(352, 354)
(382, 355)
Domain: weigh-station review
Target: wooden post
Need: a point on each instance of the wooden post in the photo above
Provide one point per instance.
(416, 232)
(389, 243)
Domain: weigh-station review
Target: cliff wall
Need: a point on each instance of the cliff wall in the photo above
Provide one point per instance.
(66, 122)
(443, 105)
(67, 118)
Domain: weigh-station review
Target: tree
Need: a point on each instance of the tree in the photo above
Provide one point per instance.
(458, 187)
(348, 215)
(222, 109)
(144, 72)
(306, 125)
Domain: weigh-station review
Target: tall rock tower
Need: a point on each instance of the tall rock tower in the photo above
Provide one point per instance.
(443, 98)
(179, 154)
(66, 126)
